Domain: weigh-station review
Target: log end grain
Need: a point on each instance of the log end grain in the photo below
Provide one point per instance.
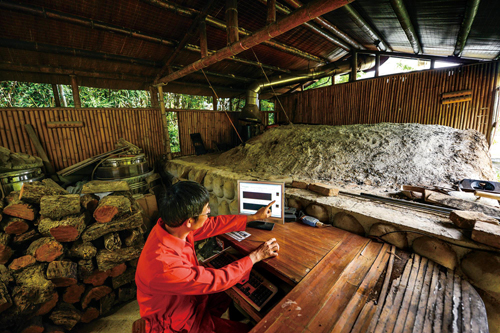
(89, 315)
(14, 226)
(97, 278)
(65, 233)
(95, 293)
(20, 210)
(5, 254)
(73, 293)
(49, 305)
(105, 214)
(22, 262)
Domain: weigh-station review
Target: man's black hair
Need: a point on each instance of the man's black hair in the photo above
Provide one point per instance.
(181, 201)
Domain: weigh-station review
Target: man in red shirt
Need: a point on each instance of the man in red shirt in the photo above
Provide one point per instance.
(174, 292)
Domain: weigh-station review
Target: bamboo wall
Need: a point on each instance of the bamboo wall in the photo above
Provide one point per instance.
(102, 128)
(403, 98)
(214, 127)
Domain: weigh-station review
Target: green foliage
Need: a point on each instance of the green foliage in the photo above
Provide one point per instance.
(25, 95)
(404, 67)
(266, 105)
(341, 79)
(323, 82)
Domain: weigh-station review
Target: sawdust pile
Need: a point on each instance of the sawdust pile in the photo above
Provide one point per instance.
(384, 154)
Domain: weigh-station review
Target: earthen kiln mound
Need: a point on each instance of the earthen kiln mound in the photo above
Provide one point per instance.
(384, 154)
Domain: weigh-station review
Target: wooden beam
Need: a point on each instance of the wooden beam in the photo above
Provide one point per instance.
(56, 95)
(63, 97)
(463, 34)
(271, 11)
(218, 24)
(203, 39)
(39, 149)
(215, 102)
(64, 124)
(420, 56)
(377, 65)
(354, 67)
(232, 21)
(304, 14)
(166, 136)
(153, 93)
(76, 92)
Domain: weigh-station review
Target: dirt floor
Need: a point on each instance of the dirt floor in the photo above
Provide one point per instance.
(384, 154)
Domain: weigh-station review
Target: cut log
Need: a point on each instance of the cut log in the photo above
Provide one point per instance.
(32, 286)
(110, 207)
(97, 278)
(5, 299)
(95, 293)
(14, 225)
(18, 208)
(73, 293)
(89, 202)
(90, 314)
(83, 250)
(65, 315)
(45, 249)
(58, 206)
(108, 259)
(11, 197)
(126, 294)
(33, 192)
(102, 186)
(49, 305)
(5, 250)
(324, 189)
(97, 230)
(33, 325)
(459, 204)
(62, 273)
(112, 241)
(133, 237)
(67, 229)
(117, 270)
(486, 233)
(21, 263)
(85, 268)
(467, 219)
(106, 303)
(5, 275)
(23, 240)
(124, 278)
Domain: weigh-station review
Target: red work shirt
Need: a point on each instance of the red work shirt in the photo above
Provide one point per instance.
(172, 288)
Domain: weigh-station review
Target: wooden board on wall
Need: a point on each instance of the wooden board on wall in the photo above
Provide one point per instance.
(102, 129)
(402, 98)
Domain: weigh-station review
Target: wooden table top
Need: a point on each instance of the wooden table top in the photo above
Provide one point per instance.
(301, 248)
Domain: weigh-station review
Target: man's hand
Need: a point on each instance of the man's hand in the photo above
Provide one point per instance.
(261, 214)
(265, 250)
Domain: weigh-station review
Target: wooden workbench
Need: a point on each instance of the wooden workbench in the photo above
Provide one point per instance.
(341, 284)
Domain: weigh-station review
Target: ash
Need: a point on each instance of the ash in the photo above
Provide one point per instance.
(385, 154)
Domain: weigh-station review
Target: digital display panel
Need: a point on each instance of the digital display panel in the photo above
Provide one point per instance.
(253, 195)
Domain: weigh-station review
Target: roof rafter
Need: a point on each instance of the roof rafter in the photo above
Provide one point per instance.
(378, 41)
(216, 23)
(405, 21)
(325, 24)
(304, 14)
(463, 33)
(56, 15)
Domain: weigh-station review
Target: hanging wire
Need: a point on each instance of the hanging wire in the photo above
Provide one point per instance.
(217, 97)
(274, 93)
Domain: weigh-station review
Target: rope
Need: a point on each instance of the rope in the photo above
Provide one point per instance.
(274, 93)
(216, 96)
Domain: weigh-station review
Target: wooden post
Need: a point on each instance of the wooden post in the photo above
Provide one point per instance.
(56, 95)
(76, 93)
(271, 11)
(433, 63)
(354, 66)
(61, 94)
(153, 94)
(377, 65)
(232, 21)
(203, 39)
(165, 123)
(39, 148)
(215, 102)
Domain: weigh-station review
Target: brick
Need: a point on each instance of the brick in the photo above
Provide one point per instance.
(486, 233)
(466, 219)
(323, 189)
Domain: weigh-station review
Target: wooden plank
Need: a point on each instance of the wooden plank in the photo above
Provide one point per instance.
(349, 315)
(418, 294)
(39, 148)
(64, 124)
(457, 307)
(466, 307)
(297, 307)
(448, 302)
(433, 316)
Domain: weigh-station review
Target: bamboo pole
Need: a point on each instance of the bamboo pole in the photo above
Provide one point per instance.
(232, 21)
(56, 95)
(203, 39)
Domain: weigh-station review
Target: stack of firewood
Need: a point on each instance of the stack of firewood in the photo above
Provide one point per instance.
(66, 258)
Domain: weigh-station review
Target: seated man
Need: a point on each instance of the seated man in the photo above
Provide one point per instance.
(174, 292)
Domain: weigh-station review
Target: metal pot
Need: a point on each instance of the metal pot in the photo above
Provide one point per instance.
(13, 181)
(123, 160)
